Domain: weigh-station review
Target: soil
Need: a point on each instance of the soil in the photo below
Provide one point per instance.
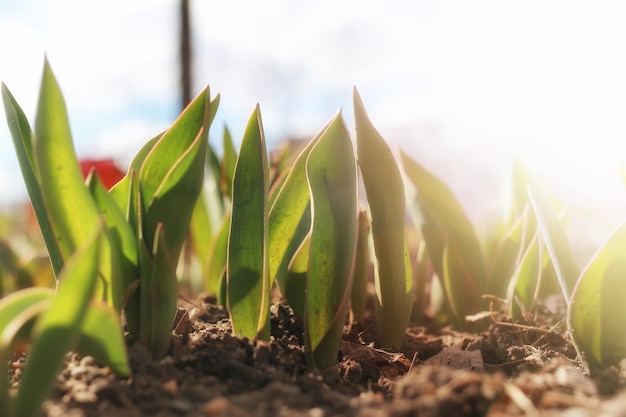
(507, 369)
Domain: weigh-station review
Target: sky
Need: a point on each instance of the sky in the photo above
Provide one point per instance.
(465, 87)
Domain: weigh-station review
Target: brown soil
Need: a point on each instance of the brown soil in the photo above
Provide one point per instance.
(507, 369)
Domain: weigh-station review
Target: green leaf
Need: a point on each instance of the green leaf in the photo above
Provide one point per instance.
(227, 167)
(132, 293)
(458, 284)
(331, 172)
(159, 295)
(557, 243)
(23, 138)
(216, 262)
(508, 254)
(386, 199)
(171, 175)
(295, 286)
(14, 303)
(123, 242)
(18, 312)
(597, 312)
(201, 232)
(358, 298)
(445, 223)
(68, 203)
(210, 206)
(208, 213)
(58, 328)
(247, 271)
(102, 338)
(295, 242)
(289, 217)
(526, 280)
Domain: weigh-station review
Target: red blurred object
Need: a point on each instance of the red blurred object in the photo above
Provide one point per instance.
(108, 172)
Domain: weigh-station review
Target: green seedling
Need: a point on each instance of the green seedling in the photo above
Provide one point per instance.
(157, 197)
(247, 273)
(331, 173)
(385, 195)
(313, 238)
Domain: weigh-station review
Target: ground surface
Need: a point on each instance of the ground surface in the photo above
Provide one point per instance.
(508, 369)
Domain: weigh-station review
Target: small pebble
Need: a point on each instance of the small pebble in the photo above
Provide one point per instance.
(85, 397)
(170, 386)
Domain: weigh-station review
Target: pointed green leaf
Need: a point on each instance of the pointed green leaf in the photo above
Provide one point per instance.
(228, 164)
(208, 213)
(22, 136)
(67, 201)
(445, 221)
(597, 312)
(386, 199)
(247, 271)
(557, 243)
(171, 176)
(58, 328)
(331, 172)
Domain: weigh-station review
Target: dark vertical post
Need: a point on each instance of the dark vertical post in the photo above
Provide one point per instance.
(185, 53)
(185, 83)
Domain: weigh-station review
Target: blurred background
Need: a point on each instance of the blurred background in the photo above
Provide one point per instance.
(464, 87)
